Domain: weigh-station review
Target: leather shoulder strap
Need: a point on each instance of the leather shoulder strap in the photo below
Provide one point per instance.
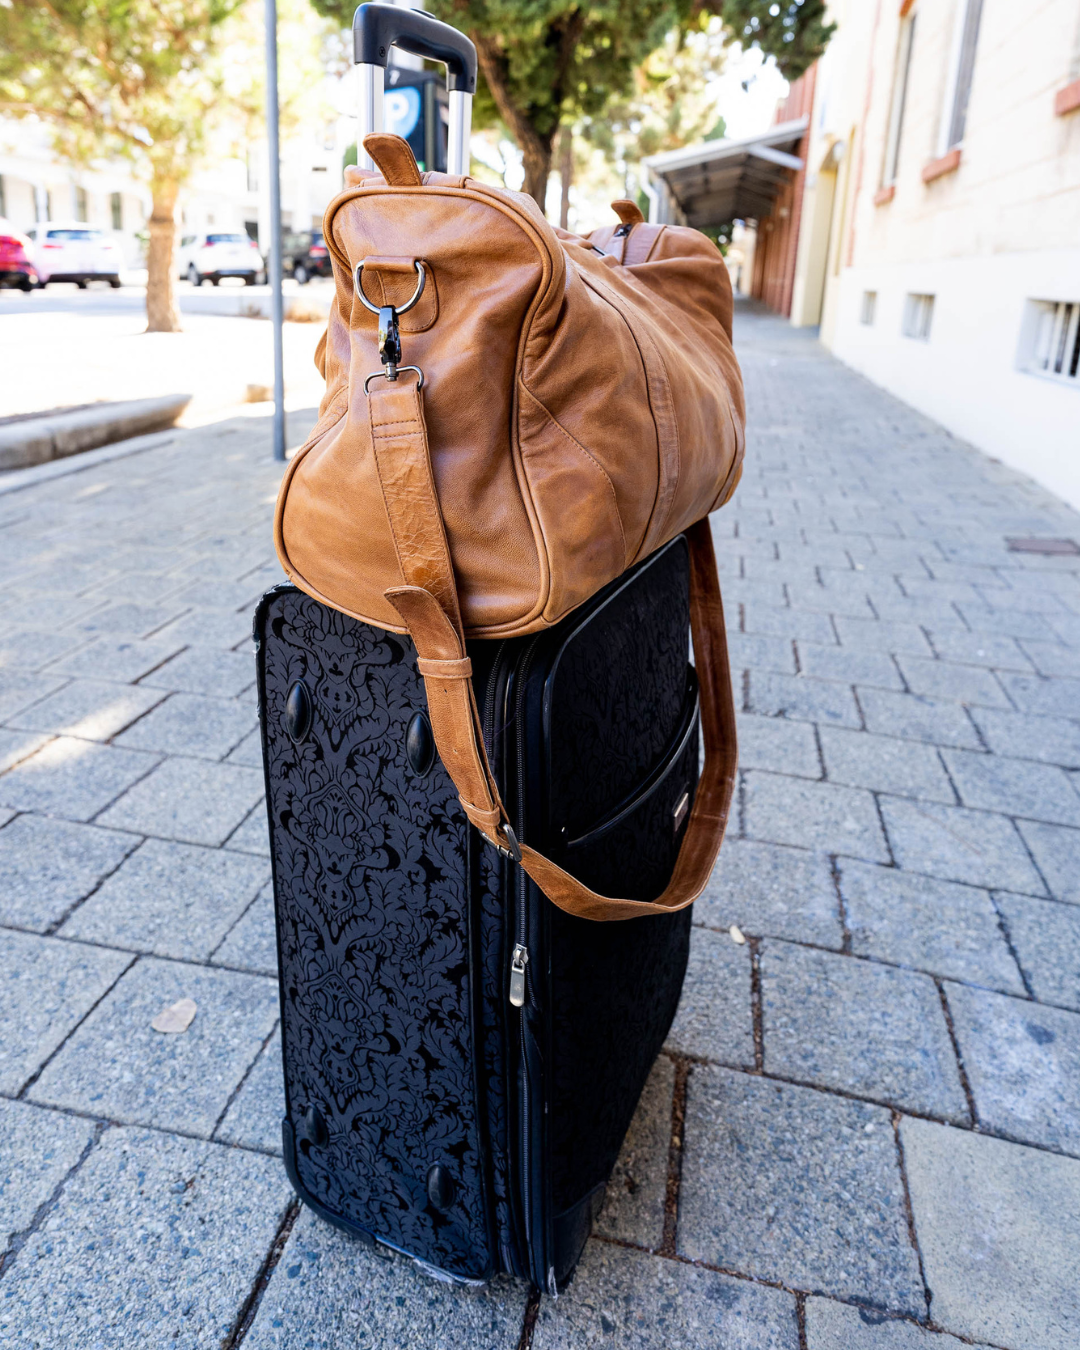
(628, 243)
(428, 606)
(640, 242)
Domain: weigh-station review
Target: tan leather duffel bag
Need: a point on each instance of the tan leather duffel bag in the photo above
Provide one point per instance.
(514, 416)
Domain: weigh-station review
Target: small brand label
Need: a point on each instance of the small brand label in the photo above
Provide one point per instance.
(681, 809)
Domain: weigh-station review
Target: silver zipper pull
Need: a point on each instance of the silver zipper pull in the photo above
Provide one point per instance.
(518, 961)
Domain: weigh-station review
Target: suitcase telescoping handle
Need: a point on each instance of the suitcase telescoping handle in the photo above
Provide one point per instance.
(377, 28)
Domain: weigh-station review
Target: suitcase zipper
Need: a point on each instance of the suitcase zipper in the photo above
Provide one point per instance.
(520, 957)
(518, 961)
(519, 737)
(518, 990)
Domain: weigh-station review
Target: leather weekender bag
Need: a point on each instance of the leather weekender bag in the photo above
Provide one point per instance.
(513, 417)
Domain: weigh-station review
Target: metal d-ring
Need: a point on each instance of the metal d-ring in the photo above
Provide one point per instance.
(398, 309)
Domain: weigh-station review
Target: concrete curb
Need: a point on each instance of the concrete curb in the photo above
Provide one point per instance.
(302, 307)
(18, 479)
(38, 440)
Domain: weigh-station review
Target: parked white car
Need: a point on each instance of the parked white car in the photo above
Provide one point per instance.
(74, 251)
(217, 254)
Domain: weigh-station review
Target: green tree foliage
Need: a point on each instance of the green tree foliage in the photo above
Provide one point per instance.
(793, 31)
(137, 78)
(545, 62)
(672, 99)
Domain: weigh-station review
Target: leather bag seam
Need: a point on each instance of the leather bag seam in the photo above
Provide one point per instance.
(732, 477)
(591, 458)
(662, 524)
(283, 492)
(601, 290)
(678, 451)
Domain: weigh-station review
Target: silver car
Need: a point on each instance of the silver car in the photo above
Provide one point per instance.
(74, 251)
(217, 254)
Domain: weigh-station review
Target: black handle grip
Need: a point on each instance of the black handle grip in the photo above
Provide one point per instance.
(378, 27)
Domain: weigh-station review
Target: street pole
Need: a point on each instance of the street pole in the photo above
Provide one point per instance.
(277, 309)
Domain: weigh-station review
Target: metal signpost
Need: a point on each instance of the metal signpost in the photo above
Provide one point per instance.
(277, 312)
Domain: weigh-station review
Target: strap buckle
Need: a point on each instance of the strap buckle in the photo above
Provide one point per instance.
(513, 848)
(389, 332)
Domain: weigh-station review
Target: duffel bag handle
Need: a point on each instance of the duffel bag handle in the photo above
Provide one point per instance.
(377, 28)
(429, 608)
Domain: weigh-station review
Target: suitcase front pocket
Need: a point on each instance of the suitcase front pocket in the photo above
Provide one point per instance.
(632, 850)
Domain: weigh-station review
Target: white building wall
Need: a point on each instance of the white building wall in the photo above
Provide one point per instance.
(1001, 230)
(968, 375)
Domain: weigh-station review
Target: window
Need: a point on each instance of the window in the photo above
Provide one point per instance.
(1053, 346)
(73, 236)
(899, 98)
(116, 206)
(918, 313)
(963, 70)
(80, 204)
(869, 305)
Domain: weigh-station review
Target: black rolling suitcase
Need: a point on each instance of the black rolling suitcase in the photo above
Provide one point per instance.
(462, 1058)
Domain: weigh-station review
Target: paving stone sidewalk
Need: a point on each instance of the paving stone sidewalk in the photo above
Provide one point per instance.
(865, 1131)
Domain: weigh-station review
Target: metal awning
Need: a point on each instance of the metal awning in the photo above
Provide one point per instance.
(719, 181)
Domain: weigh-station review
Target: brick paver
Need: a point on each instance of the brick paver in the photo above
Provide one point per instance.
(865, 1129)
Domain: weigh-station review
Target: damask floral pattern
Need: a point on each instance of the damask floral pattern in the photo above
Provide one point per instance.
(372, 886)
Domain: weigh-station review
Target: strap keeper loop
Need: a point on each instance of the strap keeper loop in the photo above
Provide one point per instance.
(460, 668)
(485, 818)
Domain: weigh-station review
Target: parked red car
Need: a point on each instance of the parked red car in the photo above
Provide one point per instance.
(16, 269)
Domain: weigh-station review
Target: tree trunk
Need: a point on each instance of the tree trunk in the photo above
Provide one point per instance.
(566, 173)
(162, 314)
(537, 158)
(535, 149)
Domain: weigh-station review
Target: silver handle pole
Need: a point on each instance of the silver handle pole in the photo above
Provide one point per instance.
(370, 110)
(460, 130)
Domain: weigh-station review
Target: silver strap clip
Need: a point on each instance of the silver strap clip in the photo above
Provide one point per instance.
(389, 332)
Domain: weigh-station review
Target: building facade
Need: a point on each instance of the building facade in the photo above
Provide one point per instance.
(35, 186)
(772, 275)
(939, 239)
(230, 194)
